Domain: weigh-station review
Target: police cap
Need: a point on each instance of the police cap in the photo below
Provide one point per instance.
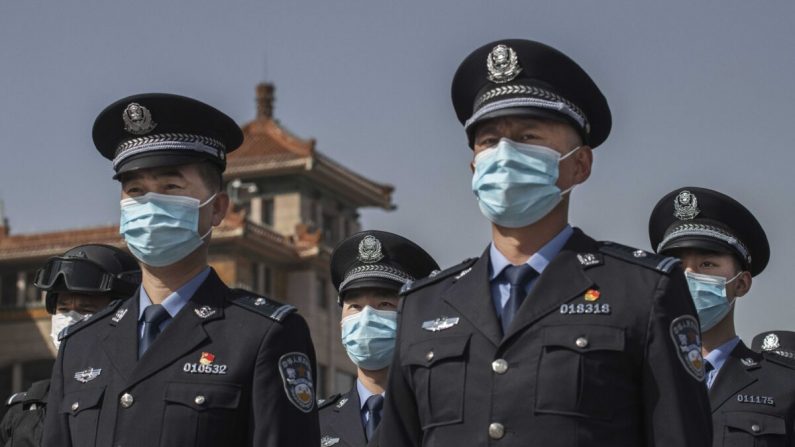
(523, 77)
(158, 129)
(378, 259)
(777, 342)
(92, 269)
(701, 218)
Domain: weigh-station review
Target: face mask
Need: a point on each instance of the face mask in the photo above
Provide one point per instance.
(161, 229)
(709, 296)
(369, 337)
(61, 321)
(515, 183)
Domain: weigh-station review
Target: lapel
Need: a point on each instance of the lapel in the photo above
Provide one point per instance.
(349, 420)
(733, 375)
(471, 296)
(562, 280)
(120, 342)
(185, 332)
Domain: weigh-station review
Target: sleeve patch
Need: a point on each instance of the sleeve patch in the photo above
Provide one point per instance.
(687, 342)
(296, 371)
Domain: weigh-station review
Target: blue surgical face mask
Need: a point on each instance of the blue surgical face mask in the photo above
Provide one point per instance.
(369, 337)
(161, 229)
(516, 183)
(709, 296)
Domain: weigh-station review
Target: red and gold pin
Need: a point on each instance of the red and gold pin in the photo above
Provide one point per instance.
(591, 295)
(207, 358)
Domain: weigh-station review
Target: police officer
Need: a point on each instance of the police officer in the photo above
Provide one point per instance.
(722, 246)
(368, 269)
(77, 284)
(186, 361)
(550, 337)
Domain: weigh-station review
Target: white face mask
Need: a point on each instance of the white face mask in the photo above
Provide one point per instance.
(61, 321)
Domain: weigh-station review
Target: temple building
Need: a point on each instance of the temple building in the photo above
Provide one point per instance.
(290, 206)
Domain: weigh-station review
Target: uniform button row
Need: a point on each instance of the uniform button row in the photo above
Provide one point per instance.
(756, 428)
(499, 366)
(126, 400)
(496, 430)
(581, 342)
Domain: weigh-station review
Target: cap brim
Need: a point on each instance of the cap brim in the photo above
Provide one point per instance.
(155, 160)
(373, 283)
(699, 243)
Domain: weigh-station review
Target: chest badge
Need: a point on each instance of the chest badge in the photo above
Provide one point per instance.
(206, 365)
(591, 295)
(204, 312)
(440, 324)
(87, 375)
(327, 441)
(119, 315)
(754, 399)
(686, 336)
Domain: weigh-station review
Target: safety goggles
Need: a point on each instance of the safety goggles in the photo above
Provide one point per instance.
(82, 275)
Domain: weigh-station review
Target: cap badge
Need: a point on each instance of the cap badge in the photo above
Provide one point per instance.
(770, 342)
(370, 250)
(137, 119)
(686, 206)
(503, 64)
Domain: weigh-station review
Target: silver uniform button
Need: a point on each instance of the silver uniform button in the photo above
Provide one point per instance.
(581, 342)
(499, 366)
(496, 430)
(756, 428)
(126, 400)
(75, 406)
(200, 400)
(429, 356)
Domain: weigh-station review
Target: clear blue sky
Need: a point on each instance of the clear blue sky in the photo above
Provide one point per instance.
(701, 94)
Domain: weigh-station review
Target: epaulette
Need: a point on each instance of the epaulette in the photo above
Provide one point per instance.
(643, 258)
(262, 305)
(323, 403)
(437, 276)
(17, 398)
(70, 330)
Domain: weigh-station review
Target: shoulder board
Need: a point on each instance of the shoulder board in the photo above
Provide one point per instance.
(663, 264)
(262, 305)
(323, 403)
(433, 278)
(69, 330)
(783, 358)
(17, 398)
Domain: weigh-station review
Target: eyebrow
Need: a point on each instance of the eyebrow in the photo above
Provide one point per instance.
(157, 174)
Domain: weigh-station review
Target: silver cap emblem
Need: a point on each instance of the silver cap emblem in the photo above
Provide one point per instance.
(503, 64)
(770, 342)
(686, 206)
(370, 250)
(137, 119)
(87, 375)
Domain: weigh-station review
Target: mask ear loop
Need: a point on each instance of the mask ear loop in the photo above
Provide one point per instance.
(568, 190)
(200, 206)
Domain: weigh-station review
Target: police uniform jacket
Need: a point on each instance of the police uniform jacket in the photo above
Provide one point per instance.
(753, 401)
(226, 371)
(23, 424)
(341, 421)
(603, 371)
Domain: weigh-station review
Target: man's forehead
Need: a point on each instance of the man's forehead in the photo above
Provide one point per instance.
(369, 293)
(158, 172)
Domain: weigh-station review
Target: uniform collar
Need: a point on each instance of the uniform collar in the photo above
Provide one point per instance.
(177, 299)
(538, 261)
(717, 357)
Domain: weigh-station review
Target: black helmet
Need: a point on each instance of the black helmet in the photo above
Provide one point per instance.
(91, 269)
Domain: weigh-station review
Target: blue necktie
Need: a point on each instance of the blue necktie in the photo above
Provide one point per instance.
(711, 373)
(519, 276)
(374, 404)
(154, 315)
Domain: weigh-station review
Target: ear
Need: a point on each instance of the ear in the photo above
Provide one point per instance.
(472, 165)
(220, 207)
(583, 161)
(742, 284)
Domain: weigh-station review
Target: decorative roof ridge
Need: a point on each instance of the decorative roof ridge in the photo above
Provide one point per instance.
(384, 188)
(282, 136)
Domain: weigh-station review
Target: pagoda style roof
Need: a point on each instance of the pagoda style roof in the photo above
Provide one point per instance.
(269, 149)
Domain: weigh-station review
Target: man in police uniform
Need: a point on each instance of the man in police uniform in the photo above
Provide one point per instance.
(722, 246)
(186, 361)
(368, 269)
(78, 284)
(549, 338)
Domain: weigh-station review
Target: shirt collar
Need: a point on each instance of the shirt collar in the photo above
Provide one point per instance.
(717, 357)
(364, 394)
(539, 260)
(177, 299)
